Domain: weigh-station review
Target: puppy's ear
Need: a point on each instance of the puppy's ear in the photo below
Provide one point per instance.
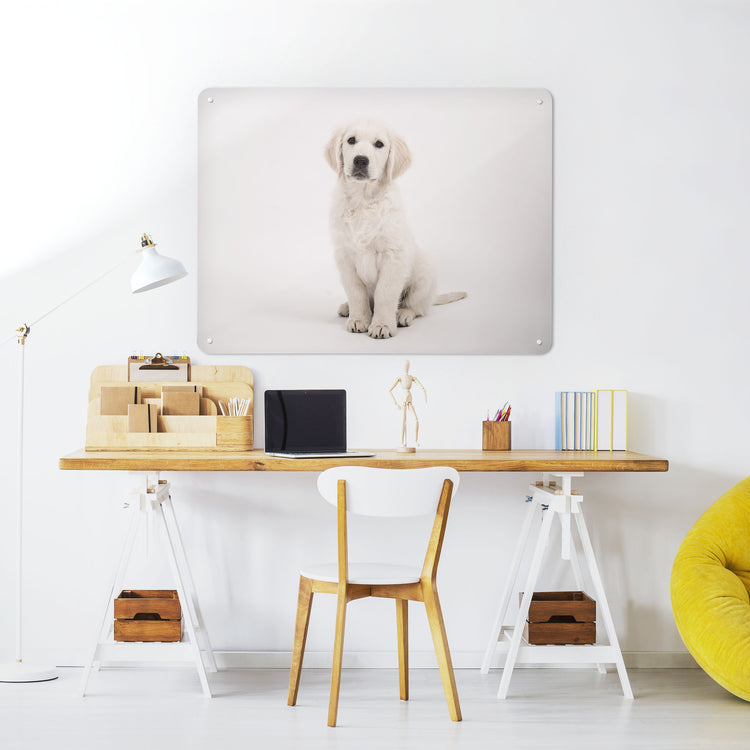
(333, 152)
(399, 158)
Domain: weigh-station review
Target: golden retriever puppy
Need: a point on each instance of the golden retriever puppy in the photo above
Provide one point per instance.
(387, 279)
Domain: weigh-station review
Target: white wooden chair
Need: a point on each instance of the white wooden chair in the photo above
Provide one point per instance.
(388, 493)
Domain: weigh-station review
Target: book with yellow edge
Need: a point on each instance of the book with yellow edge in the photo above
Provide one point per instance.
(611, 419)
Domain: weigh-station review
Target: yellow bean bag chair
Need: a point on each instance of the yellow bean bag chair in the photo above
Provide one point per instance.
(709, 587)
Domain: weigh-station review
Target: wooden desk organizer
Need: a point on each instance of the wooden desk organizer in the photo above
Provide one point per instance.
(208, 431)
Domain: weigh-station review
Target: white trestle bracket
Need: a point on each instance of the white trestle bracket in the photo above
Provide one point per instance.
(152, 510)
(549, 499)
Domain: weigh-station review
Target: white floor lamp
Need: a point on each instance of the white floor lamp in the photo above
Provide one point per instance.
(154, 271)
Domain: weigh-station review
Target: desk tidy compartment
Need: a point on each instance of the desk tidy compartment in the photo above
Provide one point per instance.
(560, 618)
(205, 431)
(148, 616)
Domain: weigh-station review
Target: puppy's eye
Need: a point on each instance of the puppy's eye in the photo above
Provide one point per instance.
(379, 144)
(351, 141)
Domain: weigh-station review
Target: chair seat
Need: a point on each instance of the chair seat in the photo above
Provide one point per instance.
(367, 574)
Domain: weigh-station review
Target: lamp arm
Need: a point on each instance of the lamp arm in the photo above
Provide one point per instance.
(81, 290)
(28, 326)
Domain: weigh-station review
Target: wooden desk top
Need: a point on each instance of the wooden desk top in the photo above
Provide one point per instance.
(462, 460)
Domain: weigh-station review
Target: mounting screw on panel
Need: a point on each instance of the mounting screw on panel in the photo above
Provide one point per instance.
(539, 342)
(209, 340)
(210, 100)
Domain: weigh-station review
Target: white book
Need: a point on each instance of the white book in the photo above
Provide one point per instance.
(570, 422)
(619, 420)
(587, 412)
(604, 420)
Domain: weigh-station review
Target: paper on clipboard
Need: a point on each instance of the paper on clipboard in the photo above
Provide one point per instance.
(159, 368)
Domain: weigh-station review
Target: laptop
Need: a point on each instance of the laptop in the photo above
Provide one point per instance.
(307, 424)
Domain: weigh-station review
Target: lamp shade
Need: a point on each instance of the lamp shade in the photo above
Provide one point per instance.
(155, 270)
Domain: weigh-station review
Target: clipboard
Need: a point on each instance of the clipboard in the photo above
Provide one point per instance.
(159, 368)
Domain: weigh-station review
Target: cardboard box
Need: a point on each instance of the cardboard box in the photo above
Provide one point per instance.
(115, 398)
(180, 403)
(142, 418)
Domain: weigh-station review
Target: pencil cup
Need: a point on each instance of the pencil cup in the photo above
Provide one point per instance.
(495, 436)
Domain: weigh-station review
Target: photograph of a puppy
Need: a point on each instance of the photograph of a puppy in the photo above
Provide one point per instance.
(387, 278)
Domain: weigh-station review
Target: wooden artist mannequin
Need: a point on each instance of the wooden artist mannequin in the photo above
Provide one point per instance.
(405, 381)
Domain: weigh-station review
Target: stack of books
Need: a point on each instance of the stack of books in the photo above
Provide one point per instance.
(591, 420)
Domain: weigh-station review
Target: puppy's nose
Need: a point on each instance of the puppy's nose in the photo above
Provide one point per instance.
(360, 162)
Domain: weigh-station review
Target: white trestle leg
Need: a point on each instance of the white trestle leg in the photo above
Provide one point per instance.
(153, 507)
(551, 500)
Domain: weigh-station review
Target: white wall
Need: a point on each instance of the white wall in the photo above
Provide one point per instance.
(651, 165)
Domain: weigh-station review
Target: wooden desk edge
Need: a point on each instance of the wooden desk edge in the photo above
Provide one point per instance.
(462, 460)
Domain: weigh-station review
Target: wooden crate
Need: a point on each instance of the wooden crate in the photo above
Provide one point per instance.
(560, 618)
(206, 431)
(152, 615)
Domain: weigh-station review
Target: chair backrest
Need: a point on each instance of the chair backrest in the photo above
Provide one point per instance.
(389, 493)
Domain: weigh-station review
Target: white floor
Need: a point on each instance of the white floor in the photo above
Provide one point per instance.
(547, 708)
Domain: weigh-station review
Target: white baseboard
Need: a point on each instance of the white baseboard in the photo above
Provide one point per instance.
(426, 660)
(367, 659)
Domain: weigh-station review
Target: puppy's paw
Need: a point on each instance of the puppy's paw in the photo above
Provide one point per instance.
(344, 310)
(381, 330)
(357, 325)
(405, 317)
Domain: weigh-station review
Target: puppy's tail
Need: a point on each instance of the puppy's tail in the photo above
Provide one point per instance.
(444, 299)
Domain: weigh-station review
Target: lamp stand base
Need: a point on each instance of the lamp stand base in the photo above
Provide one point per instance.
(17, 671)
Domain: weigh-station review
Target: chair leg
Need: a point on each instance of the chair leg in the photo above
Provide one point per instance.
(304, 603)
(338, 654)
(440, 640)
(402, 626)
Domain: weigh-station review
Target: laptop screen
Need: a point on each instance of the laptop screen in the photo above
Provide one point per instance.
(305, 421)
